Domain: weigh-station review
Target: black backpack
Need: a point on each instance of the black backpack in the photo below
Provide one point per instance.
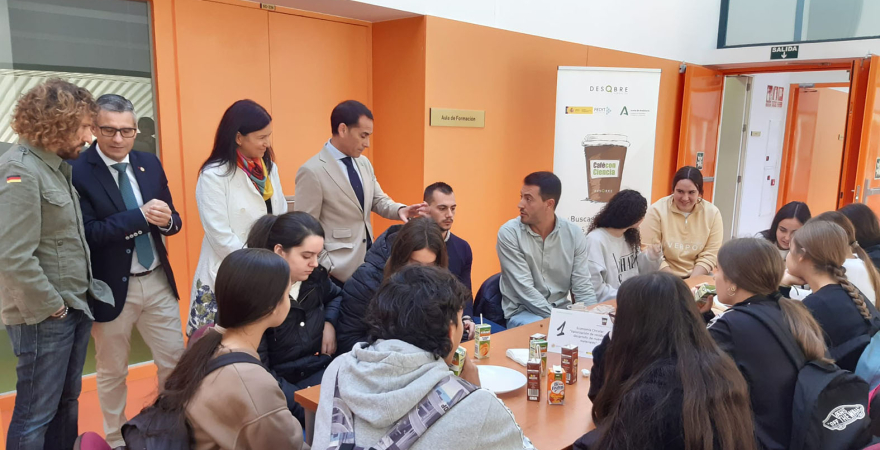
(830, 408)
(156, 429)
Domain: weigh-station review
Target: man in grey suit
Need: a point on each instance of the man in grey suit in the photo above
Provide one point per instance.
(338, 187)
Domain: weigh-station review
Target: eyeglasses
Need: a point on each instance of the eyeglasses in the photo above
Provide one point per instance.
(125, 132)
(611, 316)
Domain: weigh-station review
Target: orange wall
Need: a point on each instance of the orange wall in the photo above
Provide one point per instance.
(399, 105)
(401, 69)
(512, 77)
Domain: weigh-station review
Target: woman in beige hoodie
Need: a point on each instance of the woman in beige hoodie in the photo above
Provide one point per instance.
(689, 228)
(237, 406)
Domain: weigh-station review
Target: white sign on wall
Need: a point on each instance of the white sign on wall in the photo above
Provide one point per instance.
(606, 119)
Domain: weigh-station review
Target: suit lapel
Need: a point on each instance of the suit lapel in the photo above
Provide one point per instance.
(103, 175)
(338, 177)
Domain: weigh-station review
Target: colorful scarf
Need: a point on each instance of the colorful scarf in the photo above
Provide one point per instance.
(255, 171)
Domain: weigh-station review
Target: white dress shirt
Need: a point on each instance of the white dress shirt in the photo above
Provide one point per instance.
(136, 266)
(339, 156)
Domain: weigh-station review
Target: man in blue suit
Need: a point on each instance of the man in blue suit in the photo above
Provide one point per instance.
(127, 208)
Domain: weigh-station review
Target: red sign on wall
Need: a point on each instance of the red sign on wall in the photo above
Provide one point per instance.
(774, 96)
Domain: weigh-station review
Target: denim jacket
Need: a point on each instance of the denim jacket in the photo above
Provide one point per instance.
(44, 257)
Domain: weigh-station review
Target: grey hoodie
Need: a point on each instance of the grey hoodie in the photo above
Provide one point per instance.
(382, 382)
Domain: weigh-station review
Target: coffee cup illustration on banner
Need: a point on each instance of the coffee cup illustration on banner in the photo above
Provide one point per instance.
(605, 156)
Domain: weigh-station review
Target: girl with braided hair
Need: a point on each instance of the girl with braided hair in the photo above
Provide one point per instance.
(818, 252)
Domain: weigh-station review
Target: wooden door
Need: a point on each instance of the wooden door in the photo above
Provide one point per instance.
(700, 119)
(868, 190)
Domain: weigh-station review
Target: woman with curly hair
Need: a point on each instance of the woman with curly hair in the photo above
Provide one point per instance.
(46, 283)
(614, 244)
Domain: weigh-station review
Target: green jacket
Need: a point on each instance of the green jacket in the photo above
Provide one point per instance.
(44, 257)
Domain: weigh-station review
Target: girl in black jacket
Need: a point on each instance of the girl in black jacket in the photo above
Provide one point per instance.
(666, 384)
(297, 351)
(818, 252)
(419, 241)
(748, 277)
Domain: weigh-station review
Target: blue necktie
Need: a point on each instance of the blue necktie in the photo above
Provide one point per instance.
(141, 243)
(354, 179)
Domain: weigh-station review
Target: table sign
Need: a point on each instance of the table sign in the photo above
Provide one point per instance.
(585, 329)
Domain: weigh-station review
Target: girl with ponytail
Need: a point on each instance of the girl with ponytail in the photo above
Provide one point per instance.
(818, 253)
(238, 405)
(748, 276)
(860, 269)
(298, 350)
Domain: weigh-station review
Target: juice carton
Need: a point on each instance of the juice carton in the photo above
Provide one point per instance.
(556, 386)
(703, 291)
(533, 383)
(482, 338)
(458, 361)
(538, 350)
(570, 363)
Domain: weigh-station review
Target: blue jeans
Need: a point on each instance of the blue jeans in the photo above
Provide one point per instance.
(522, 318)
(50, 355)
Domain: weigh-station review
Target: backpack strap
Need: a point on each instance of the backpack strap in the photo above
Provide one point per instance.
(231, 358)
(795, 354)
(450, 391)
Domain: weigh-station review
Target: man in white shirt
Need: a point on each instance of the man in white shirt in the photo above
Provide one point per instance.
(339, 188)
(127, 208)
(543, 256)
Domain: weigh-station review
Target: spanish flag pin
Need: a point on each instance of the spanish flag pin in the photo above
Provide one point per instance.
(13, 179)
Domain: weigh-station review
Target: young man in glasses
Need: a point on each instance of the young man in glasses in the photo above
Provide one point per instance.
(127, 208)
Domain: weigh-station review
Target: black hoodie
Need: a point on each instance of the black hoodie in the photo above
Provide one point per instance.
(359, 290)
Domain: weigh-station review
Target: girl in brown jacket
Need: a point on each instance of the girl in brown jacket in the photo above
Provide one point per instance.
(238, 406)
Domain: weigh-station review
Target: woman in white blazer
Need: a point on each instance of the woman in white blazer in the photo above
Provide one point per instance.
(233, 191)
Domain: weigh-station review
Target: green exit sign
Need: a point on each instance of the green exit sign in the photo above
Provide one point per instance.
(784, 52)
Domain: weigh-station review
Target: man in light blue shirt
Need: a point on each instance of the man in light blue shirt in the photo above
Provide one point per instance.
(543, 256)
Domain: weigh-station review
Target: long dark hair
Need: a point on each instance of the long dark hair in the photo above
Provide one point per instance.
(689, 173)
(715, 407)
(245, 117)
(840, 219)
(417, 234)
(250, 284)
(754, 265)
(288, 230)
(792, 210)
(623, 211)
(865, 221)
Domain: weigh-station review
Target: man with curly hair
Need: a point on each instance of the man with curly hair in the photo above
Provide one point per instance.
(46, 282)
